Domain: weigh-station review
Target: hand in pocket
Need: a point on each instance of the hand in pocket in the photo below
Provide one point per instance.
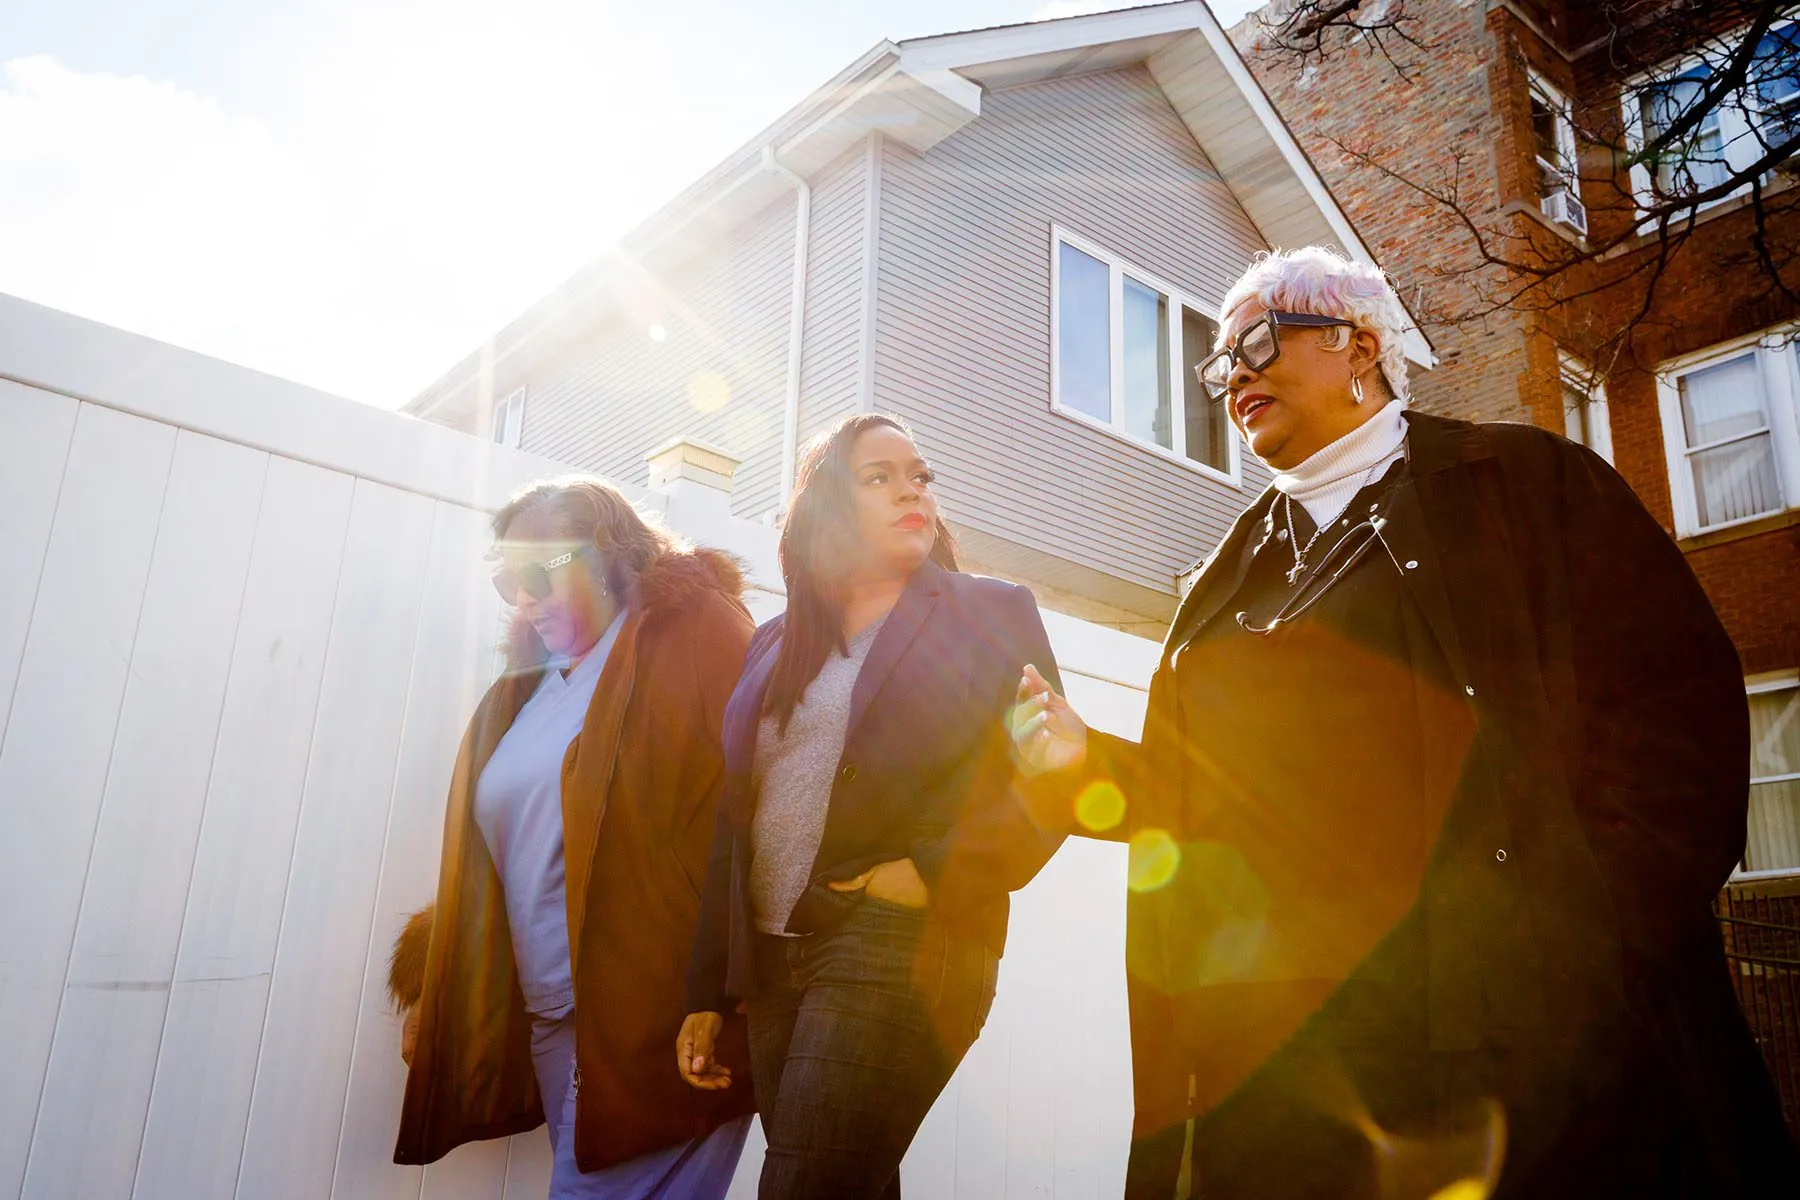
(897, 882)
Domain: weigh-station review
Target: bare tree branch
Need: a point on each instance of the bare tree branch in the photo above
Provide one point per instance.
(1691, 104)
(1310, 31)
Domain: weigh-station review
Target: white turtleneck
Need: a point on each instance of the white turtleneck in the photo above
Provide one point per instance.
(1325, 483)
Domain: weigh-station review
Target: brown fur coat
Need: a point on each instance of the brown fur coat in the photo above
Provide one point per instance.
(641, 786)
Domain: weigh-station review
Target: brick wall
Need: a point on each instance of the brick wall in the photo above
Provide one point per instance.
(1437, 126)
(1754, 583)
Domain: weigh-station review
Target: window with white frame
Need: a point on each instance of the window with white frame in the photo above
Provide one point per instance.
(1123, 351)
(1729, 426)
(509, 419)
(1773, 842)
(1585, 416)
(1736, 132)
(1553, 140)
(1777, 75)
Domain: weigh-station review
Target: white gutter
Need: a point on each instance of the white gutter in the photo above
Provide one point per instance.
(790, 412)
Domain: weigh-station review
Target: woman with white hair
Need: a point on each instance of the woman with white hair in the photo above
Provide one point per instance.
(1445, 758)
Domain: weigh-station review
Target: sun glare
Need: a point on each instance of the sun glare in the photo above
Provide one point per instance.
(1154, 859)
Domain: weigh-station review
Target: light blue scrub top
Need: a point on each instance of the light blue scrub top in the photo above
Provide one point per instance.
(518, 807)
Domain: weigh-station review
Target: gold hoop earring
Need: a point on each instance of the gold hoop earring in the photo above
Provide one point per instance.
(1356, 389)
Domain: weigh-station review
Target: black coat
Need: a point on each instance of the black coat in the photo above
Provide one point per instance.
(1598, 809)
(926, 773)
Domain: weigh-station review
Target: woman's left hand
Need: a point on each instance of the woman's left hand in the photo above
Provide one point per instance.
(409, 1034)
(897, 882)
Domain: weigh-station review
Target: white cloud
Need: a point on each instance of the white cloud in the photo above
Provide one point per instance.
(138, 204)
(450, 176)
(442, 176)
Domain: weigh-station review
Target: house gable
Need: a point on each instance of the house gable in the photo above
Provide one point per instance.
(963, 346)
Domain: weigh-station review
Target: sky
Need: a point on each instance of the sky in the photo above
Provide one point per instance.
(352, 194)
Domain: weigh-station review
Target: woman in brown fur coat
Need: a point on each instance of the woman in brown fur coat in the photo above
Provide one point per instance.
(546, 982)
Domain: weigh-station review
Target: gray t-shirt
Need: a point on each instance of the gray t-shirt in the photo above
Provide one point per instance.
(794, 772)
(518, 807)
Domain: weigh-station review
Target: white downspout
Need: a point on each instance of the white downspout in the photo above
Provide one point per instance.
(790, 413)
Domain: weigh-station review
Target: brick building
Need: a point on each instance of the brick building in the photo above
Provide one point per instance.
(1517, 108)
(1698, 411)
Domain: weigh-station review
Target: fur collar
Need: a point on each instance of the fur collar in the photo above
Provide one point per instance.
(671, 582)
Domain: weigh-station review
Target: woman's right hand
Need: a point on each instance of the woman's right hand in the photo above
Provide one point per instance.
(694, 1052)
(1048, 734)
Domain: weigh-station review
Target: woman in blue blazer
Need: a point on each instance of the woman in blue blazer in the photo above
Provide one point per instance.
(856, 898)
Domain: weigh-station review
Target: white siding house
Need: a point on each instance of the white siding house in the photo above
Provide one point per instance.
(892, 243)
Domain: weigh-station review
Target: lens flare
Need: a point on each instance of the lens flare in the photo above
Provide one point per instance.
(1100, 806)
(1221, 884)
(1463, 1189)
(708, 392)
(1467, 1150)
(658, 333)
(1153, 860)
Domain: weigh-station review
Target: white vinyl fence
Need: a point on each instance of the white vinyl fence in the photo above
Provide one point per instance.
(242, 624)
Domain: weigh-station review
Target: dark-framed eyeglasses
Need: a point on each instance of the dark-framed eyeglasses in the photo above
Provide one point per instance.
(534, 577)
(1256, 347)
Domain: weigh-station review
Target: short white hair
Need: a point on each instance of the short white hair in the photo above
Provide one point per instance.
(1320, 280)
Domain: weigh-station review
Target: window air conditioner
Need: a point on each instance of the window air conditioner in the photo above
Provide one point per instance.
(1562, 207)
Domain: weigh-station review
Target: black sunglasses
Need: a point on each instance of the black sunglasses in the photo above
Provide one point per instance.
(1256, 347)
(534, 578)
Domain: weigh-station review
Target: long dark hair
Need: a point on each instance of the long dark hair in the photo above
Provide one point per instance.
(819, 543)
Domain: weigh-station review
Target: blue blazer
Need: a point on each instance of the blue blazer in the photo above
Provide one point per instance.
(926, 773)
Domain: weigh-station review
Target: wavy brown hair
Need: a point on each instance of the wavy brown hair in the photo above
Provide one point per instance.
(819, 544)
(585, 509)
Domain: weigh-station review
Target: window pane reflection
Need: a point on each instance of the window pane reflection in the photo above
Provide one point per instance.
(1774, 841)
(1084, 327)
(1147, 365)
(1736, 480)
(1722, 401)
(1207, 427)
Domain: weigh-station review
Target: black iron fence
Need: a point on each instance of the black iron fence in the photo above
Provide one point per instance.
(1761, 924)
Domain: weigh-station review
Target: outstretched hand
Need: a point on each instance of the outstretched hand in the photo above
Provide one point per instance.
(1048, 734)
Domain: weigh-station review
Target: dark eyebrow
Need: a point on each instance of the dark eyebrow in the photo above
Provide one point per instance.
(889, 463)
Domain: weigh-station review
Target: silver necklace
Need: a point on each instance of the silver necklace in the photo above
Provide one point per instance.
(1293, 539)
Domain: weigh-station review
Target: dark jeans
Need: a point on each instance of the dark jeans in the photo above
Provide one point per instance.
(853, 1033)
